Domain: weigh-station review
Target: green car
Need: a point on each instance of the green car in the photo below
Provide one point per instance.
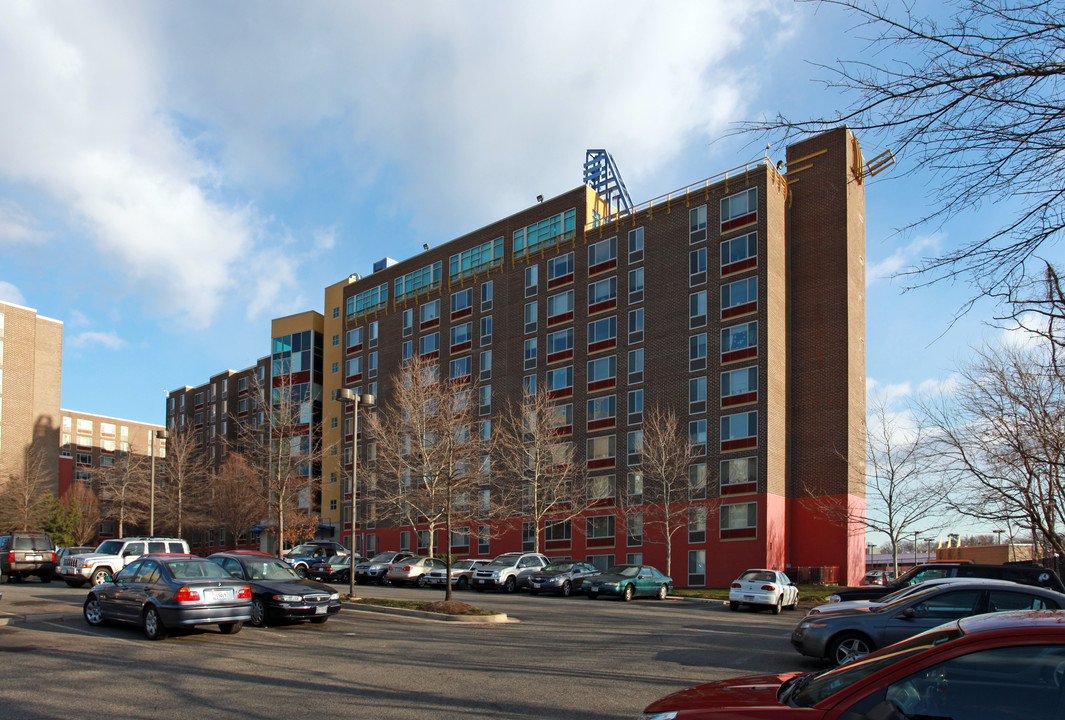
(628, 581)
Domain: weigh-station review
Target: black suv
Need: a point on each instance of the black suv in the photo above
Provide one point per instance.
(1024, 574)
(26, 553)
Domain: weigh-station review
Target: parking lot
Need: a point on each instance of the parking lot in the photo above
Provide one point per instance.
(562, 658)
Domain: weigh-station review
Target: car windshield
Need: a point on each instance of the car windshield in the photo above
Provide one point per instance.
(110, 547)
(896, 604)
(383, 557)
(624, 570)
(904, 592)
(34, 542)
(828, 683)
(337, 560)
(559, 567)
(269, 569)
(504, 561)
(197, 570)
(757, 576)
(302, 550)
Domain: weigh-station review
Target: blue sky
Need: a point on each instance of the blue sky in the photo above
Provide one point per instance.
(174, 175)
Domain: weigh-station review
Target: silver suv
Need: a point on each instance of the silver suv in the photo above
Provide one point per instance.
(508, 572)
(113, 555)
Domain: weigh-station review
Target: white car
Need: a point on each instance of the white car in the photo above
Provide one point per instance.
(897, 595)
(768, 588)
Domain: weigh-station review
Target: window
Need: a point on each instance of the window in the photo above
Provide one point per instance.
(697, 395)
(560, 308)
(739, 431)
(739, 297)
(353, 367)
(530, 317)
(373, 333)
(697, 524)
(560, 417)
(530, 353)
(560, 345)
(560, 380)
(603, 334)
(557, 531)
(484, 400)
(408, 321)
(601, 527)
(336, 314)
(603, 256)
(636, 245)
(460, 368)
(371, 364)
(486, 330)
(697, 567)
(429, 344)
(601, 488)
(462, 303)
(353, 340)
(412, 284)
(697, 267)
(635, 407)
(739, 253)
(546, 233)
(603, 295)
(560, 270)
(636, 325)
(635, 286)
(634, 442)
(461, 336)
(697, 224)
(739, 516)
(697, 309)
(336, 340)
(531, 281)
(601, 449)
(486, 295)
(738, 471)
(602, 373)
(697, 437)
(697, 481)
(636, 366)
(739, 342)
(601, 412)
(484, 535)
(429, 313)
(529, 385)
(634, 488)
(634, 529)
(406, 350)
(739, 386)
(486, 365)
(739, 209)
(404, 540)
(367, 301)
(697, 352)
(477, 259)
(528, 536)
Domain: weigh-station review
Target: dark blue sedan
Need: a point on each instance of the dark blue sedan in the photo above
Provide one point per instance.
(278, 593)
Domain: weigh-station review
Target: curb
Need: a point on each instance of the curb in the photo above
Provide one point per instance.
(40, 617)
(437, 617)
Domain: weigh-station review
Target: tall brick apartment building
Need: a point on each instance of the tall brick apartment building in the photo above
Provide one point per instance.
(738, 302)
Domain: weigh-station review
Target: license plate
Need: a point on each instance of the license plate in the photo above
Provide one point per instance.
(748, 597)
(534, 584)
(220, 594)
(321, 610)
(33, 558)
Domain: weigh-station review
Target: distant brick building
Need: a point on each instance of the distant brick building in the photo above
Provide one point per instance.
(737, 301)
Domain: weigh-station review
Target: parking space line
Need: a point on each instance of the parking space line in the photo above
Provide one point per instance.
(91, 632)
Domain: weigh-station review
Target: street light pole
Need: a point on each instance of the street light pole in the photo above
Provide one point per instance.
(157, 435)
(928, 549)
(365, 400)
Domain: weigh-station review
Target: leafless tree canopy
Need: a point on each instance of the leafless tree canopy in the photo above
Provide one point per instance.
(237, 496)
(123, 490)
(25, 497)
(181, 484)
(546, 481)
(975, 98)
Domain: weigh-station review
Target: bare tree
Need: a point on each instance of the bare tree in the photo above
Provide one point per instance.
(26, 497)
(1002, 439)
(123, 489)
(432, 459)
(538, 466)
(181, 483)
(237, 496)
(975, 99)
(666, 495)
(87, 526)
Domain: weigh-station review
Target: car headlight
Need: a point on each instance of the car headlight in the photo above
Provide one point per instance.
(834, 598)
(288, 598)
(334, 596)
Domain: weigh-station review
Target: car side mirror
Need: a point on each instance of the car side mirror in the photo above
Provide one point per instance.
(908, 614)
(108, 578)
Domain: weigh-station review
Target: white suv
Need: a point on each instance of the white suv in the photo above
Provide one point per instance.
(112, 556)
(508, 572)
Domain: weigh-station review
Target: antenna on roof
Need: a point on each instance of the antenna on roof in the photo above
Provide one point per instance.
(601, 174)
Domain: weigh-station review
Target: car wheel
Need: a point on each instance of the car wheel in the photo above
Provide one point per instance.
(153, 626)
(382, 580)
(74, 583)
(230, 628)
(258, 613)
(463, 584)
(46, 577)
(848, 647)
(733, 606)
(301, 570)
(420, 582)
(780, 604)
(627, 593)
(592, 595)
(98, 576)
(663, 592)
(93, 615)
(510, 585)
(567, 589)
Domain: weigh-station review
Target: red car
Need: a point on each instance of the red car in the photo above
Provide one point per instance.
(998, 665)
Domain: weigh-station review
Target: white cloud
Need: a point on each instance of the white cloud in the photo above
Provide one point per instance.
(903, 257)
(10, 293)
(16, 226)
(108, 340)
